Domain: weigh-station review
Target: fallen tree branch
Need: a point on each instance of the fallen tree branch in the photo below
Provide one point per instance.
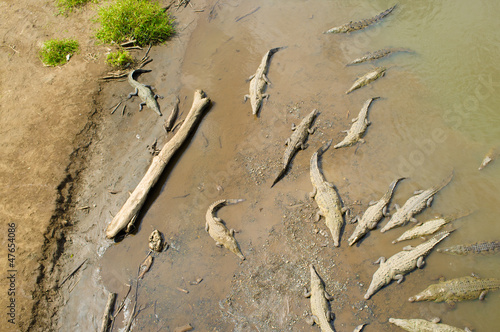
(107, 312)
(73, 272)
(132, 206)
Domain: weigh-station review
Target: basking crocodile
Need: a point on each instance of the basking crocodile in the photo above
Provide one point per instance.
(422, 325)
(370, 56)
(490, 156)
(258, 82)
(296, 141)
(427, 228)
(144, 92)
(358, 127)
(367, 78)
(325, 195)
(353, 26)
(415, 204)
(321, 313)
(459, 289)
(401, 263)
(373, 214)
(223, 236)
(476, 248)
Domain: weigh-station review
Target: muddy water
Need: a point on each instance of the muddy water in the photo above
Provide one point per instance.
(437, 113)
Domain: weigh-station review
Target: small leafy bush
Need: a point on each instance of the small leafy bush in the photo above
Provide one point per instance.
(54, 52)
(119, 59)
(68, 5)
(140, 20)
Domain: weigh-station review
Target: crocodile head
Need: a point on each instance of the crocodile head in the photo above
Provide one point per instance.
(233, 247)
(433, 292)
(380, 279)
(316, 282)
(256, 103)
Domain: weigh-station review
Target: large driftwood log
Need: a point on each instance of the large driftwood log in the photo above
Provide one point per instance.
(132, 206)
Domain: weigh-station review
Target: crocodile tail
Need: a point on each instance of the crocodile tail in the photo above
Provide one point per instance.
(276, 49)
(324, 147)
(280, 175)
(445, 182)
(234, 201)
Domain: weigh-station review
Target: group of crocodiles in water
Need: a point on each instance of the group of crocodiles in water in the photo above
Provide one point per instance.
(331, 208)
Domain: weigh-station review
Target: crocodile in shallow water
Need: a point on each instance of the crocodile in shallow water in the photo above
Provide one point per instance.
(378, 54)
(414, 205)
(427, 228)
(376, 211)
(459, 289)
(144, 92)
(367, 78)
(358, 128)
(296, 141)
(214, 225)
(353, 26)
(475, 248)
(422, 325)
(259, 81)
(401, 263)
(325, 195)
(320, 307)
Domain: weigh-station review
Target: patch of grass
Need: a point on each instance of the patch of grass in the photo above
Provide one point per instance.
(55, 52)
(68, 5)
(140, 20)
(119, 59)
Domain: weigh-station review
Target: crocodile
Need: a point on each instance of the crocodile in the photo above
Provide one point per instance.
(223, 236)
(422, 325)
(321, 313)
(490, 156)
(325, 195)
(296, 141)
(459, 289)
(144, 92)
(475, 248)
(367, 78)
(376, 211)
(353, 26)
(370, 56)
(358, 127)
(427, 228)
(258, 82)
(414, 205)
(402, 263)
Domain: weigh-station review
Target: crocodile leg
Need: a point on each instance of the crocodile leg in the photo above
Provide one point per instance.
(265, 95)
(483, 295)
(372, 203)
(429, 201)
(385, 211)
(417, 192)
(311, 131)
(306, 293)
(266, 79)
(420, 262)
(310, 320)
(288, 140)
(312, 194)
(141, 105)
(399, 278)
(207, 227)
(293, 126)
(218, 244)
(319, 214)
(135, 93)
(328, 296)
(381, 260)
(158, 96)
(246, 97)
(303, 146)
(250, 78)
(354, 220)
(413, 219)
(330, 315)
(397, 207)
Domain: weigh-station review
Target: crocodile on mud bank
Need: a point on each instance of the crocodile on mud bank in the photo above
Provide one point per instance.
(144, 92)
(296, 141)
(422, 325)
(358, 128)
(373, 214)
(458, 289)
(325, 195)
(475, 248)
(402, 263)
(367, 79)
(429, 227)
(320, 307)
(223, 236)
(354, 26)
(370, 56)
(259, 81)
(414, 205)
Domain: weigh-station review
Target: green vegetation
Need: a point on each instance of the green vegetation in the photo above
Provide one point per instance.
(55, 52)
(140, 20)
(119, 59)
(68, 5)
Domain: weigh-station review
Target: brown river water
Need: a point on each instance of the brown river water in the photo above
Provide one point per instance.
(437, 112)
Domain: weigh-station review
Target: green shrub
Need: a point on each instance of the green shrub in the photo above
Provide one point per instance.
(140, 20)
(119, 59)
(54, 52)
(68, 5)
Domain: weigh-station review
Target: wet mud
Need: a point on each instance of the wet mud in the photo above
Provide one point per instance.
(234, 154)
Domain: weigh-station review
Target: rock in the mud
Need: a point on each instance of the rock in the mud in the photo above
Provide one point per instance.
(155, 241)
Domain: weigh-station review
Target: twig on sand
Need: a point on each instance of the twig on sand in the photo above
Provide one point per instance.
(73, 272)
(116, 107)
(242, 17)
(107, 312)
